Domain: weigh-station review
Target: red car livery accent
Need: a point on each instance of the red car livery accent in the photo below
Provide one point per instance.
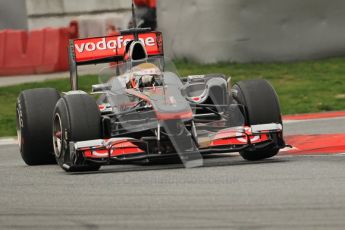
(115, 150)
(233, 137)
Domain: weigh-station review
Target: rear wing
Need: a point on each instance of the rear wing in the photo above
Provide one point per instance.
(108, 49)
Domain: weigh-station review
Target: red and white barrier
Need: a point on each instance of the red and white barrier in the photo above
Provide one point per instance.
(38, 51)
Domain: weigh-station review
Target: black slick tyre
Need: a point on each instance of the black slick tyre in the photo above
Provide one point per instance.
(76, 118)
(34, 112)
(261, 107)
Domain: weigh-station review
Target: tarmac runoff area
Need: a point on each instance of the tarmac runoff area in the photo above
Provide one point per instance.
(318, 133)
(301, 188)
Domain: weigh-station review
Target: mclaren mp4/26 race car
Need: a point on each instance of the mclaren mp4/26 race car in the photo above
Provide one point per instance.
(142, 110)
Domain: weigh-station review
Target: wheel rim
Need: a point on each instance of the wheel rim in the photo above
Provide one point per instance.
(19, 130)
(57, 135)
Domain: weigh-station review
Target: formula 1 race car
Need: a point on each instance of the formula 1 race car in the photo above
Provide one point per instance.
(143, 110)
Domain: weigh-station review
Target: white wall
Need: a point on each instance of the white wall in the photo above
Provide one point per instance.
(13, 14)
(58, 13)
(252, 30)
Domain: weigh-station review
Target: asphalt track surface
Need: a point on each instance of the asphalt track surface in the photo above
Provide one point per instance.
(286, 192)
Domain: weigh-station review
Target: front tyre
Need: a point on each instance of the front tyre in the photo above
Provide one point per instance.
(76, 118)
(262, 107)
(34, 112)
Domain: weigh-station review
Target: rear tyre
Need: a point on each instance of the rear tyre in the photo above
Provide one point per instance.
(76, 118)
(34, 114)
(262, 107)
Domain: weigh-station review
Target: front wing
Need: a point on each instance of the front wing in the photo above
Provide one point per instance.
(114, 150)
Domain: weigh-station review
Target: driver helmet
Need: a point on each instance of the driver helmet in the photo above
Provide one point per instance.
(144, 75)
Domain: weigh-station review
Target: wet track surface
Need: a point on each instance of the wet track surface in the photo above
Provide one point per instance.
(285, 192)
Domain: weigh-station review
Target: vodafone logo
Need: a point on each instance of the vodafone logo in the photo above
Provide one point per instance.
(110, 44)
